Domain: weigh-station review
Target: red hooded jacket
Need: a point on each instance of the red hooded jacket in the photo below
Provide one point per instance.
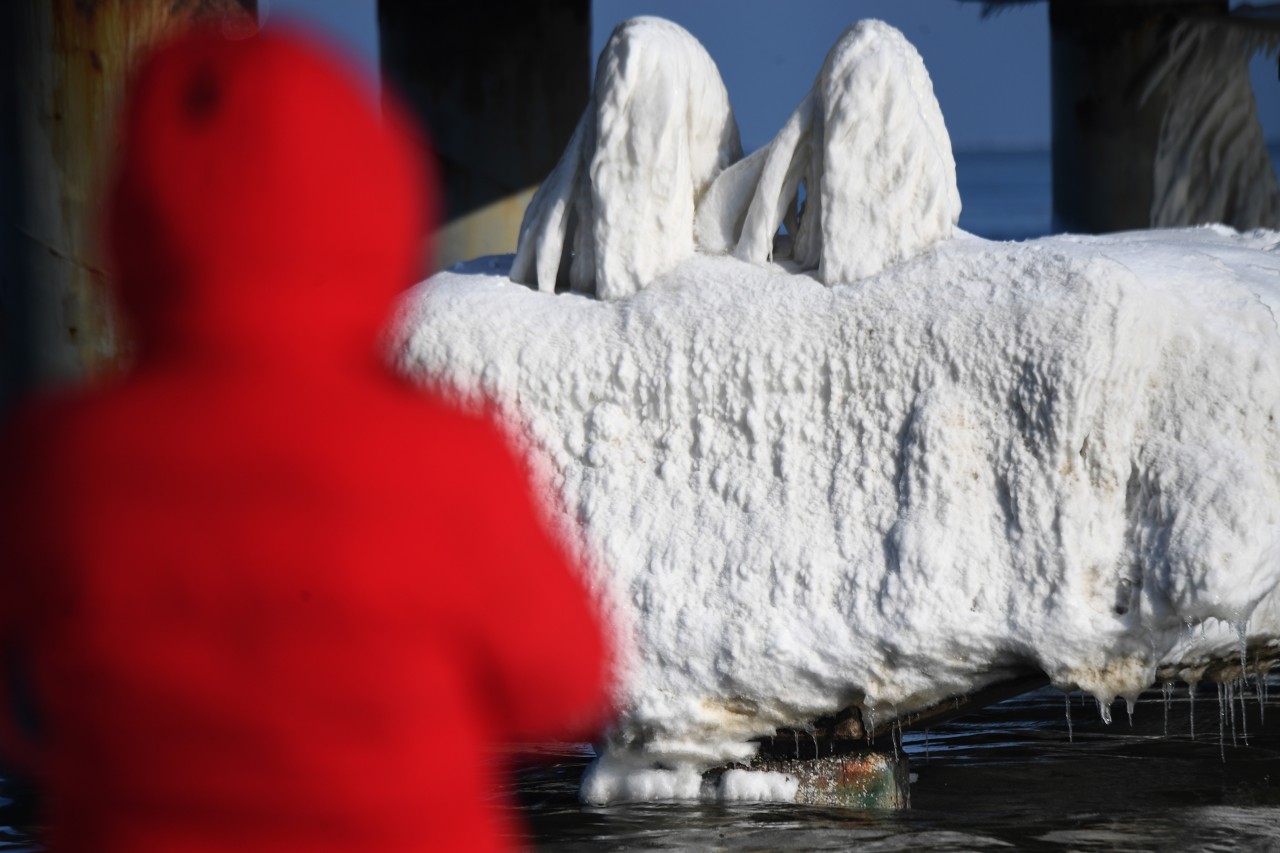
(271, 597)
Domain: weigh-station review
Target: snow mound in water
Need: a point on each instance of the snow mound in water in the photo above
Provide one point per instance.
(617, 211)
(993, 458)
(869, 145)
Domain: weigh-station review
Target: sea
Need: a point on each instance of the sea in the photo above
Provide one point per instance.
(1188, 769)
(1006, 195)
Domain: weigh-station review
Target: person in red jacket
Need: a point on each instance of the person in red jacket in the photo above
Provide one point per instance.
(269, 596)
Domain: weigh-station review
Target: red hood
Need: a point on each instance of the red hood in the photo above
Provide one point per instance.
(263, 203)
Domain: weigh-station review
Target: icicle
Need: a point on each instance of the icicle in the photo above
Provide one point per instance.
(1105, 712)
(1244, 714)
(1242, 631)
(1229, 691)
(1071, 735)
(1167, 690)
(1128, 705)
(1191, 701)
(814, 735)
(1222, 721)
(1262, 691)
(871, 724)
(796, 733)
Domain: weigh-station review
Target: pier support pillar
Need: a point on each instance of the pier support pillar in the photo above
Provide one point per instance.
(1105, 134)
(499, 88)
(1154, 118)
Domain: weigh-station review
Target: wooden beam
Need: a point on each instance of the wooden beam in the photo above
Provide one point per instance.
(69, 63)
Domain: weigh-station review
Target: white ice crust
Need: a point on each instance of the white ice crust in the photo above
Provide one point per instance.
(1057, 455)
(620, 202)
(870, 148)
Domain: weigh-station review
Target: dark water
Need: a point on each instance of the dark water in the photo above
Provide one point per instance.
(17, 814)
(1015, 776)
(1011, 777)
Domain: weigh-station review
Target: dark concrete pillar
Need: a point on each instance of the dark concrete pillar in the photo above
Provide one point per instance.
(1105, 133)
(499, 87)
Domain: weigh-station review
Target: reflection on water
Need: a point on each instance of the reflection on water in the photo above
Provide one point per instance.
(1012, 776)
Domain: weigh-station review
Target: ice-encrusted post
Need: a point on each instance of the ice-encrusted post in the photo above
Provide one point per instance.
(617, 211)
(870, 147)
(654, 171)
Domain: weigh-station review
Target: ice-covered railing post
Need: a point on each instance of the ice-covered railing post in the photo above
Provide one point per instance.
(658, 142)
(617, 211)
(870, 147)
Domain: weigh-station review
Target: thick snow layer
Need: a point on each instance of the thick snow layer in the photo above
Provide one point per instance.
(617, 211)
(870, 148)
(1057, 455)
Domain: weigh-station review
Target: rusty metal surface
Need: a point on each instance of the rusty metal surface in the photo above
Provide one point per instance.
(71, 63)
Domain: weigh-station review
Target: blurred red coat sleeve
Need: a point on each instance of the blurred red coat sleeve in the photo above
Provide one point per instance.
(550, 647)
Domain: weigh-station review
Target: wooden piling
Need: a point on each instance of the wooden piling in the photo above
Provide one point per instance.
(69, 64)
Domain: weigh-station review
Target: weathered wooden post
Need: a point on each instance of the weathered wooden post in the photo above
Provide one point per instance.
(67, 65)
(500, 89)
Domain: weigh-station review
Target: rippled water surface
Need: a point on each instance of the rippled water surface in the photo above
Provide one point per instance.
(1011, 777)
(1014, 776)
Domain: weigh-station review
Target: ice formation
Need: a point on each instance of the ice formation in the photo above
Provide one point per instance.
(653, 171)
(992, 458)
(617, 211)
(870, 148)
(934, 465)
(1211, 161)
